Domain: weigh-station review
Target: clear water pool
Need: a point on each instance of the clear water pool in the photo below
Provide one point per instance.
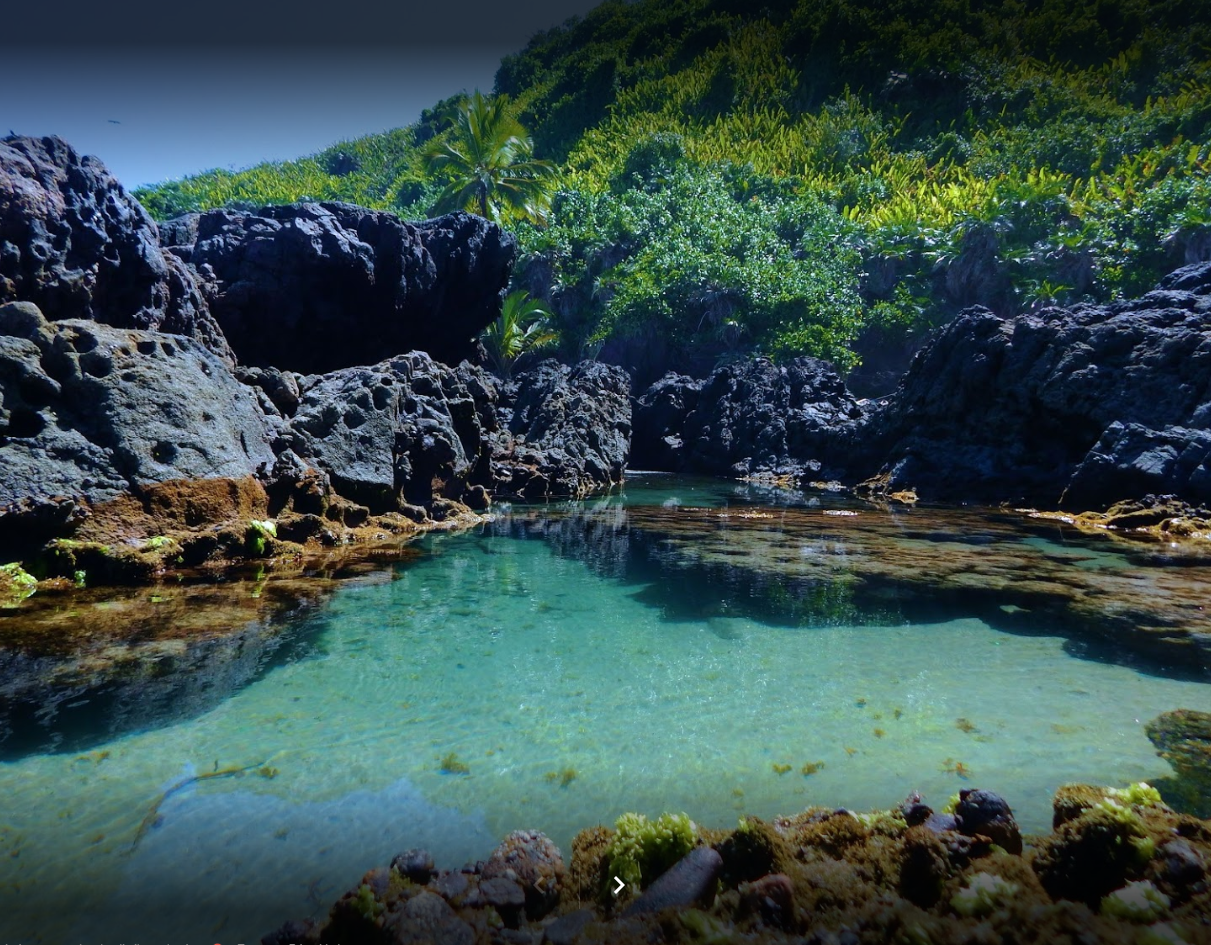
(559, 667)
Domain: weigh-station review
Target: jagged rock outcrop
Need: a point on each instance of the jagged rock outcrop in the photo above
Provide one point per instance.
(1087, 404)
(565, 431)
(89, 412)
(77, 245)
(319, 287)
(403, 432)
(746, 418)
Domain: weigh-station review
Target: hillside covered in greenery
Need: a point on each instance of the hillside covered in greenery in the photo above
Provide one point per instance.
(830, 177)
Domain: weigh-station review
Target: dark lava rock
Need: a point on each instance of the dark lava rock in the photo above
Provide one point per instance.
(986, 814)
(1025, 408)
(529, 858)
(405, 431)
(506, 897)
(89, 412)
(289, 932)
(566, 431)
(689, 881)
(567, 928)
(426, 919)
(416, 865)
(77, 245)
(938, 822)
(746, 418)
(318, 287)
(1179, 868)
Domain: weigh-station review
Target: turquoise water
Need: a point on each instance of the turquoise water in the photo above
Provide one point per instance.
(552, 671)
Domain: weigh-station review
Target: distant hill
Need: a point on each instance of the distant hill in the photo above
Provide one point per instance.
(824, 176)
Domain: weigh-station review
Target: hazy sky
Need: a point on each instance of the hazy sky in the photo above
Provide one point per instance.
(159, 94)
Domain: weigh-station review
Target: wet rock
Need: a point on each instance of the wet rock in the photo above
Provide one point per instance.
(426, 919)
(1179, 870)
(986, 814)
(924, 867)
(289, 933)
(1089, 857)
(77, 245)
(773, 898)
(506, 897)
(566, 431)
(451, 886)
(915, 810)
(746, 418)
(567, 928)
(529, 859)
(691, 880)
(319, 287)
(1183, 738)
(941, 823)
(416, 865)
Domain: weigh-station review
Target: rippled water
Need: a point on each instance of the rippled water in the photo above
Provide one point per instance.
(561, 666)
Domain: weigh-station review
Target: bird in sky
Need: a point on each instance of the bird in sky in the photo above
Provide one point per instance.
(114, 121)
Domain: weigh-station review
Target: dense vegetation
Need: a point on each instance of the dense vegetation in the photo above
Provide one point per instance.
(822, 176)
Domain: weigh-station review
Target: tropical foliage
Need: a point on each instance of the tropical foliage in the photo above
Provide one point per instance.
(522, 327)
(819, 175)
(487, 161)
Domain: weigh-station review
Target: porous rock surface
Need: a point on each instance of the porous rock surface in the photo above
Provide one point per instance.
(564, 431)
(318, 287)
(77, 245)
(89, 412)
(1083, 405)
(749, 417)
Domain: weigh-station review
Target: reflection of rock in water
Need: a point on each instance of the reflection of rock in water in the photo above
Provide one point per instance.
(1183, 738)
(75, 676)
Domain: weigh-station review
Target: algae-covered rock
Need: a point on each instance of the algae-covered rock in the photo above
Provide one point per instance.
(530, 859)
(1094, 854)
(16, 584)
(642, 849)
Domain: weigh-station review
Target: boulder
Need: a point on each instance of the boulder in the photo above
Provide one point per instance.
(565, 431)
(89, 412)
(746, 418)
(315, 288)
(403, 432)
(77, 245)
(1107, 402)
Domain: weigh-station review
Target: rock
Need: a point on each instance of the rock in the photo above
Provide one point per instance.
(426, 919)
(1179, 867)
(986, 814)
(289, 932)
(405, 431)
(506, 897)
(1133, 460)
(416, 865)
(315, 288)
(1106, 402)
(565, 431)
(567, 928)
(89, 413)
(690, 881)
(773, 898)
(529, 858)
(746, 418)
(941, 823)
(77, 245)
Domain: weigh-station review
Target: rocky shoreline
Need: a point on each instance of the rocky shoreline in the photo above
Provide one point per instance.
(156, 410)
(1119, 866)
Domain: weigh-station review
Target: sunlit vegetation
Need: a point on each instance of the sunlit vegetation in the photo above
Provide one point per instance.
(821, 176)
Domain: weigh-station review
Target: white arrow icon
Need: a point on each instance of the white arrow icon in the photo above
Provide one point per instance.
(620, 887)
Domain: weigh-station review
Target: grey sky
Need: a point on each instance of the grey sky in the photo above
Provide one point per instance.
(230, 85)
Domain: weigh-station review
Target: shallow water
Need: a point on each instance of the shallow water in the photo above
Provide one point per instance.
(557, 668)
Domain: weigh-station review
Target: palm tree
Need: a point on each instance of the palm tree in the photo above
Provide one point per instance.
(489, 160)
(521, 327)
